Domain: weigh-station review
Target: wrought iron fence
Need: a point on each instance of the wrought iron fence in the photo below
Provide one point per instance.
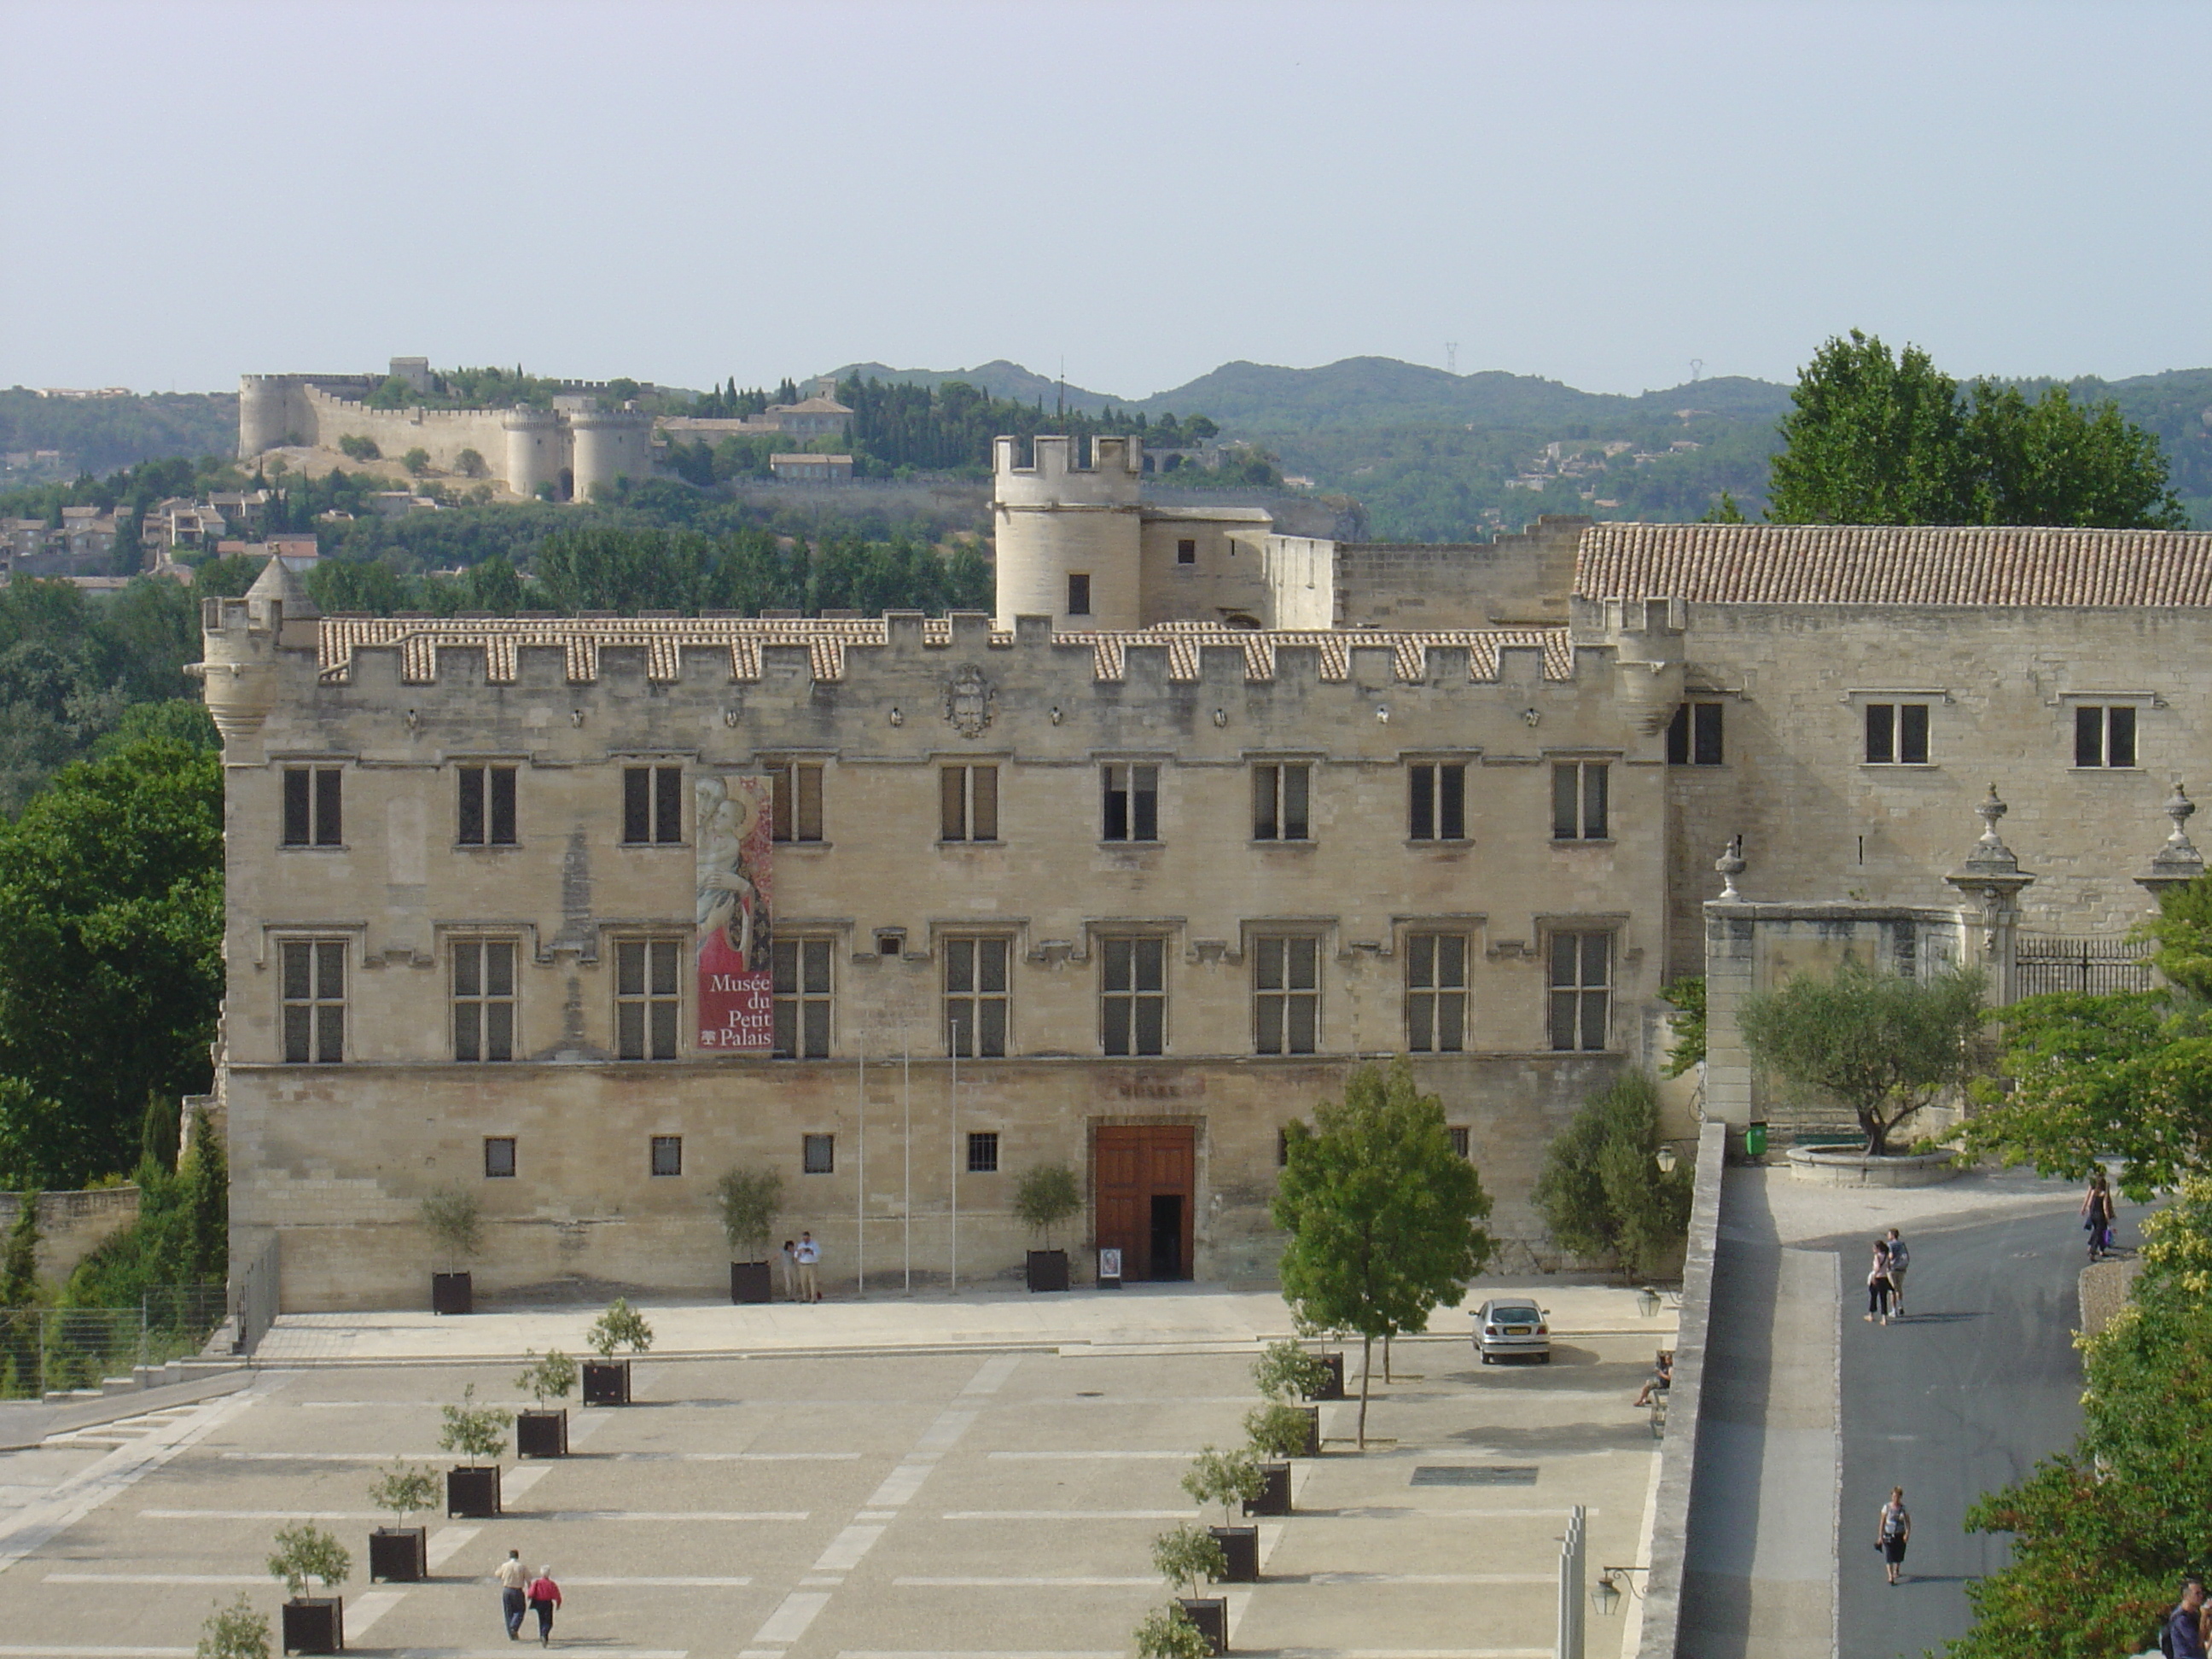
(45, 1349)
(2045, 963)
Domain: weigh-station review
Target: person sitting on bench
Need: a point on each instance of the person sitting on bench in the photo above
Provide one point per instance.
(1662, 1380)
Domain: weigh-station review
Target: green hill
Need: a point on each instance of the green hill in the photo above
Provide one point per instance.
(103, 435)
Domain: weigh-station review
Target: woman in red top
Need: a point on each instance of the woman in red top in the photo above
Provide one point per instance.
(545, 1596)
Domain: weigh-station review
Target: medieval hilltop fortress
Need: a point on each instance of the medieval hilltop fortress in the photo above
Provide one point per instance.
(1129, 874)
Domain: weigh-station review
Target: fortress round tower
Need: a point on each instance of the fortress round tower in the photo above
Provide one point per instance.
(610, 443)
(533, 449)
(265, 412)
(1069, 538)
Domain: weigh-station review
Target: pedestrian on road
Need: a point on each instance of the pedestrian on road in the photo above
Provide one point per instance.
(809, 1257)
(1878, 1284)
(790, 1272)
(2097, 1215)
(1900, 1259)
(514, 1577)
(545, 1596)
(1893, 1532)
(2185, 1630)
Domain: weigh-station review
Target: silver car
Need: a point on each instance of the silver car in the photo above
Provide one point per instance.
(1513, 1325)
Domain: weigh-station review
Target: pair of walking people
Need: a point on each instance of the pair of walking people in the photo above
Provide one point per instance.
(522, 1591)
(1886, 1278)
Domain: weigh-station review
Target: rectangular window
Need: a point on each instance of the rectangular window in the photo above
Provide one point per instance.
(1435, 992)
(1282, 1148)
(1133, 996)
(1459, 1141)
(1285, 994)
(2105, 736)
(801, 987)
(312, 812)
(968, 802)
(1078, 595)
(1694, 737)
(313, 971)
(983, 1153)
(817, 1155)
(1186, 550)
(1131, 803)
(647, 1002)
(1896, 734)
(796, 810)
(668, 1155)
(1581, 988)
(1437, 800)
(483, 1000)
(487, 806)
(1278, 801)
(652, 805)
(975, 997)
(498, 1158)
(1578, 801)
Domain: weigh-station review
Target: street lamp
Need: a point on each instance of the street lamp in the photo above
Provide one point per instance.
(1666, 1159)
(1605, 1595)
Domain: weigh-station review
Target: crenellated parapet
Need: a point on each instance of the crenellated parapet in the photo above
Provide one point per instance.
(244, 643)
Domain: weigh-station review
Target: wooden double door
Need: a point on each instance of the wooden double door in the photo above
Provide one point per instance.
(1145, 1177)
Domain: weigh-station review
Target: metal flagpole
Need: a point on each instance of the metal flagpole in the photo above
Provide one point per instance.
(861, 1181)
(954, 1113)
(906, 1139)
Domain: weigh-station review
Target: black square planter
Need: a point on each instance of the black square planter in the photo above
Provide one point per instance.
(541, 1433)
(1210, 1615)
(1240, 1547)
(400, 1555)
(1334, 1389)
(472, 1491)
(1274, 1497)
(1047, 1270)
(606, 1381)
(315, 1624)
(451, 1293)
(1313, 1430)
(749, 1281)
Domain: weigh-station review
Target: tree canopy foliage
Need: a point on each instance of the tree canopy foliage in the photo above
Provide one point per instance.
(1877, 438)
(2102, 1534)
(2126, 1075)
(1382, 1215)
(1881, 1044)
(1602, 1192)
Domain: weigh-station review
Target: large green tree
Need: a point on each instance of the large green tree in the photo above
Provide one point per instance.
(111, 929)
(1383, 1216)
(1883, 438)
(2102, 1534)
(1602, 1192)
(1881, 1044)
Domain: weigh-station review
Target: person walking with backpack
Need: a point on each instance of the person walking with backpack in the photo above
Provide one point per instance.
(545, 1596)
(1900, 1259)
(2182, 1635)
(2097, 1215)
(1893, 1532)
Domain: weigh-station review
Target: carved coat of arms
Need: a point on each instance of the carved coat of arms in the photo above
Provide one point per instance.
(968, 700)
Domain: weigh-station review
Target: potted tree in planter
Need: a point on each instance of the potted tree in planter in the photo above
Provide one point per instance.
(1045, 1197)
(1277, 1433)
(606, 1379)
(750, 1200)
(1286, 1373)
(236, 1632)
(1167, 1634)
(474, 1431)
(454, 1221)
(307, 1555)
(543, 1433)
(1231, 1479)
(1328, 1382)
(400, 1554)
(1188, 1557)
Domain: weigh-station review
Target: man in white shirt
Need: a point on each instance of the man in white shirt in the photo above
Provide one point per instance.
(513, 1576)
(809, 1257)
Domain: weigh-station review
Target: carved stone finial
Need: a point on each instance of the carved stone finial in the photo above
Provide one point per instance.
(2180, 809)
(1730, 864)
(1990, 855)
(2178, 861)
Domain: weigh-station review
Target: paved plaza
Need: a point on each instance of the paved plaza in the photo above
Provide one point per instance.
(874, 1502)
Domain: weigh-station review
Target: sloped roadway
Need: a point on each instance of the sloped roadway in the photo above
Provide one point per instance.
(1961, 1397)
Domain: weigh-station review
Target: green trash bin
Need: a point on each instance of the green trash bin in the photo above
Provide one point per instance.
(1754, 1140)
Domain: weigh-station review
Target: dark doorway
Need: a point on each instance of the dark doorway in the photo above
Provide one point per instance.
(1145, 1176)
(1167, 1235)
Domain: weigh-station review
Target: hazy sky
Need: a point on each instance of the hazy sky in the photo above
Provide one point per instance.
(1598, 193)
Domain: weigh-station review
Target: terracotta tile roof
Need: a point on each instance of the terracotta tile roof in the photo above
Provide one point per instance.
(1873, 564)
(580, 638)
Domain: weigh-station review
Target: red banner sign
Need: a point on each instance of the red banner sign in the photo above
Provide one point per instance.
(736, 998)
